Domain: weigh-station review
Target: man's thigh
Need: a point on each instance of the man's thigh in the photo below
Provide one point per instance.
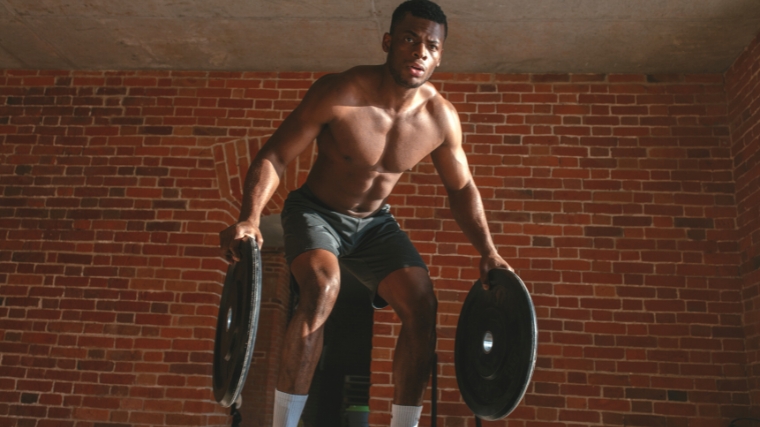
(305, 229)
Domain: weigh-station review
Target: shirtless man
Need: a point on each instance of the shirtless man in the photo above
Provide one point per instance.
(371, 124)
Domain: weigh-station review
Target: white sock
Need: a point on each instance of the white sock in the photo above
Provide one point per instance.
(288, 408)
(405, 416)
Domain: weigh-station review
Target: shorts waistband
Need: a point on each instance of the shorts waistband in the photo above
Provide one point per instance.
(306, 192)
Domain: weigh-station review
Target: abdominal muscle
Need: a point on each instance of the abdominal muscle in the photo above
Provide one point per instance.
(349, 189)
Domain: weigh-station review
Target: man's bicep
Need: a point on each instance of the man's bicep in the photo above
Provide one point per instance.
(300, 127)
(449, 158)
(292, 137)
(451, 163)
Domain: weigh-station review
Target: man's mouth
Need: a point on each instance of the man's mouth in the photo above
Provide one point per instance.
(416, 71)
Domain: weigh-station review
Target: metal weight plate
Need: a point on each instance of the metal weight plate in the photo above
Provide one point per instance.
(496, 344)
(236, 324)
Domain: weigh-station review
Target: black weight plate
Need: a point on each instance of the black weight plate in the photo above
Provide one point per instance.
(496, 344)
(236, 324)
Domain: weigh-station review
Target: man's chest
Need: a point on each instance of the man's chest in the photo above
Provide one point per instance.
(370, 138)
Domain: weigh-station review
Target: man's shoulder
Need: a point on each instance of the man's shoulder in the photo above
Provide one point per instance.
(345, 88)
(439, 107)
(436, 100)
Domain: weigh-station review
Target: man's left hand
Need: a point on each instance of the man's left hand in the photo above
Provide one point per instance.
(488, 263)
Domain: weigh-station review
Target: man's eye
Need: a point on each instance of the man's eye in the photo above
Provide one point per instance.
(433, 48)
(409, 39)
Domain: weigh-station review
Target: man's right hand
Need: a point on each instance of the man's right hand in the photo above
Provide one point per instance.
(230, 237)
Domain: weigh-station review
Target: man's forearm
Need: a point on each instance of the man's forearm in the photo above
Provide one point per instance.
(260, 184)
(467, 209)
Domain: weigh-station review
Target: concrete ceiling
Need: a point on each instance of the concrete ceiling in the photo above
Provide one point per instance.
(538, 36)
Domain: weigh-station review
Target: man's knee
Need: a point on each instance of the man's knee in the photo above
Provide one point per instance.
(427, 306)
(321, 292)
(318, 277)
(420, 311)
(420, 319)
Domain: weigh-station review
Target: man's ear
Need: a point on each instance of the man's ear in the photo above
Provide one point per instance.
(386, 42)
(440, 57)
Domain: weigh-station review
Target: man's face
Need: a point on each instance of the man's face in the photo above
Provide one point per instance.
(414, 50)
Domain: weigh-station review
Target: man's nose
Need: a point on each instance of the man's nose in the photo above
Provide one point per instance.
(420, 51)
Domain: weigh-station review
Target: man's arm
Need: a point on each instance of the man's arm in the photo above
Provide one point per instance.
(464, 199)
(295, 133)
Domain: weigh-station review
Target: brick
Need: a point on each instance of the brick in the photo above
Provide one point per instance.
(603, 231)
(694, 222)
(156, 130)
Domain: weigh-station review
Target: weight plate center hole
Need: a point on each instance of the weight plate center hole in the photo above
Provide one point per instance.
(229, 318)
(487, 342)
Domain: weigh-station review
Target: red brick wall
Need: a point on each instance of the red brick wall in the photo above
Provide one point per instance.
(611, 195)
(109, 277)
(743, 88)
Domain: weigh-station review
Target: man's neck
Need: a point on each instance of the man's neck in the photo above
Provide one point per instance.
(394, 96)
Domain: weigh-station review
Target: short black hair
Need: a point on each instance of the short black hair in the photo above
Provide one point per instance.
(424, 9)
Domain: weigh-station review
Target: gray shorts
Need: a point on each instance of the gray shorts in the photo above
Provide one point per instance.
(369, 248)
